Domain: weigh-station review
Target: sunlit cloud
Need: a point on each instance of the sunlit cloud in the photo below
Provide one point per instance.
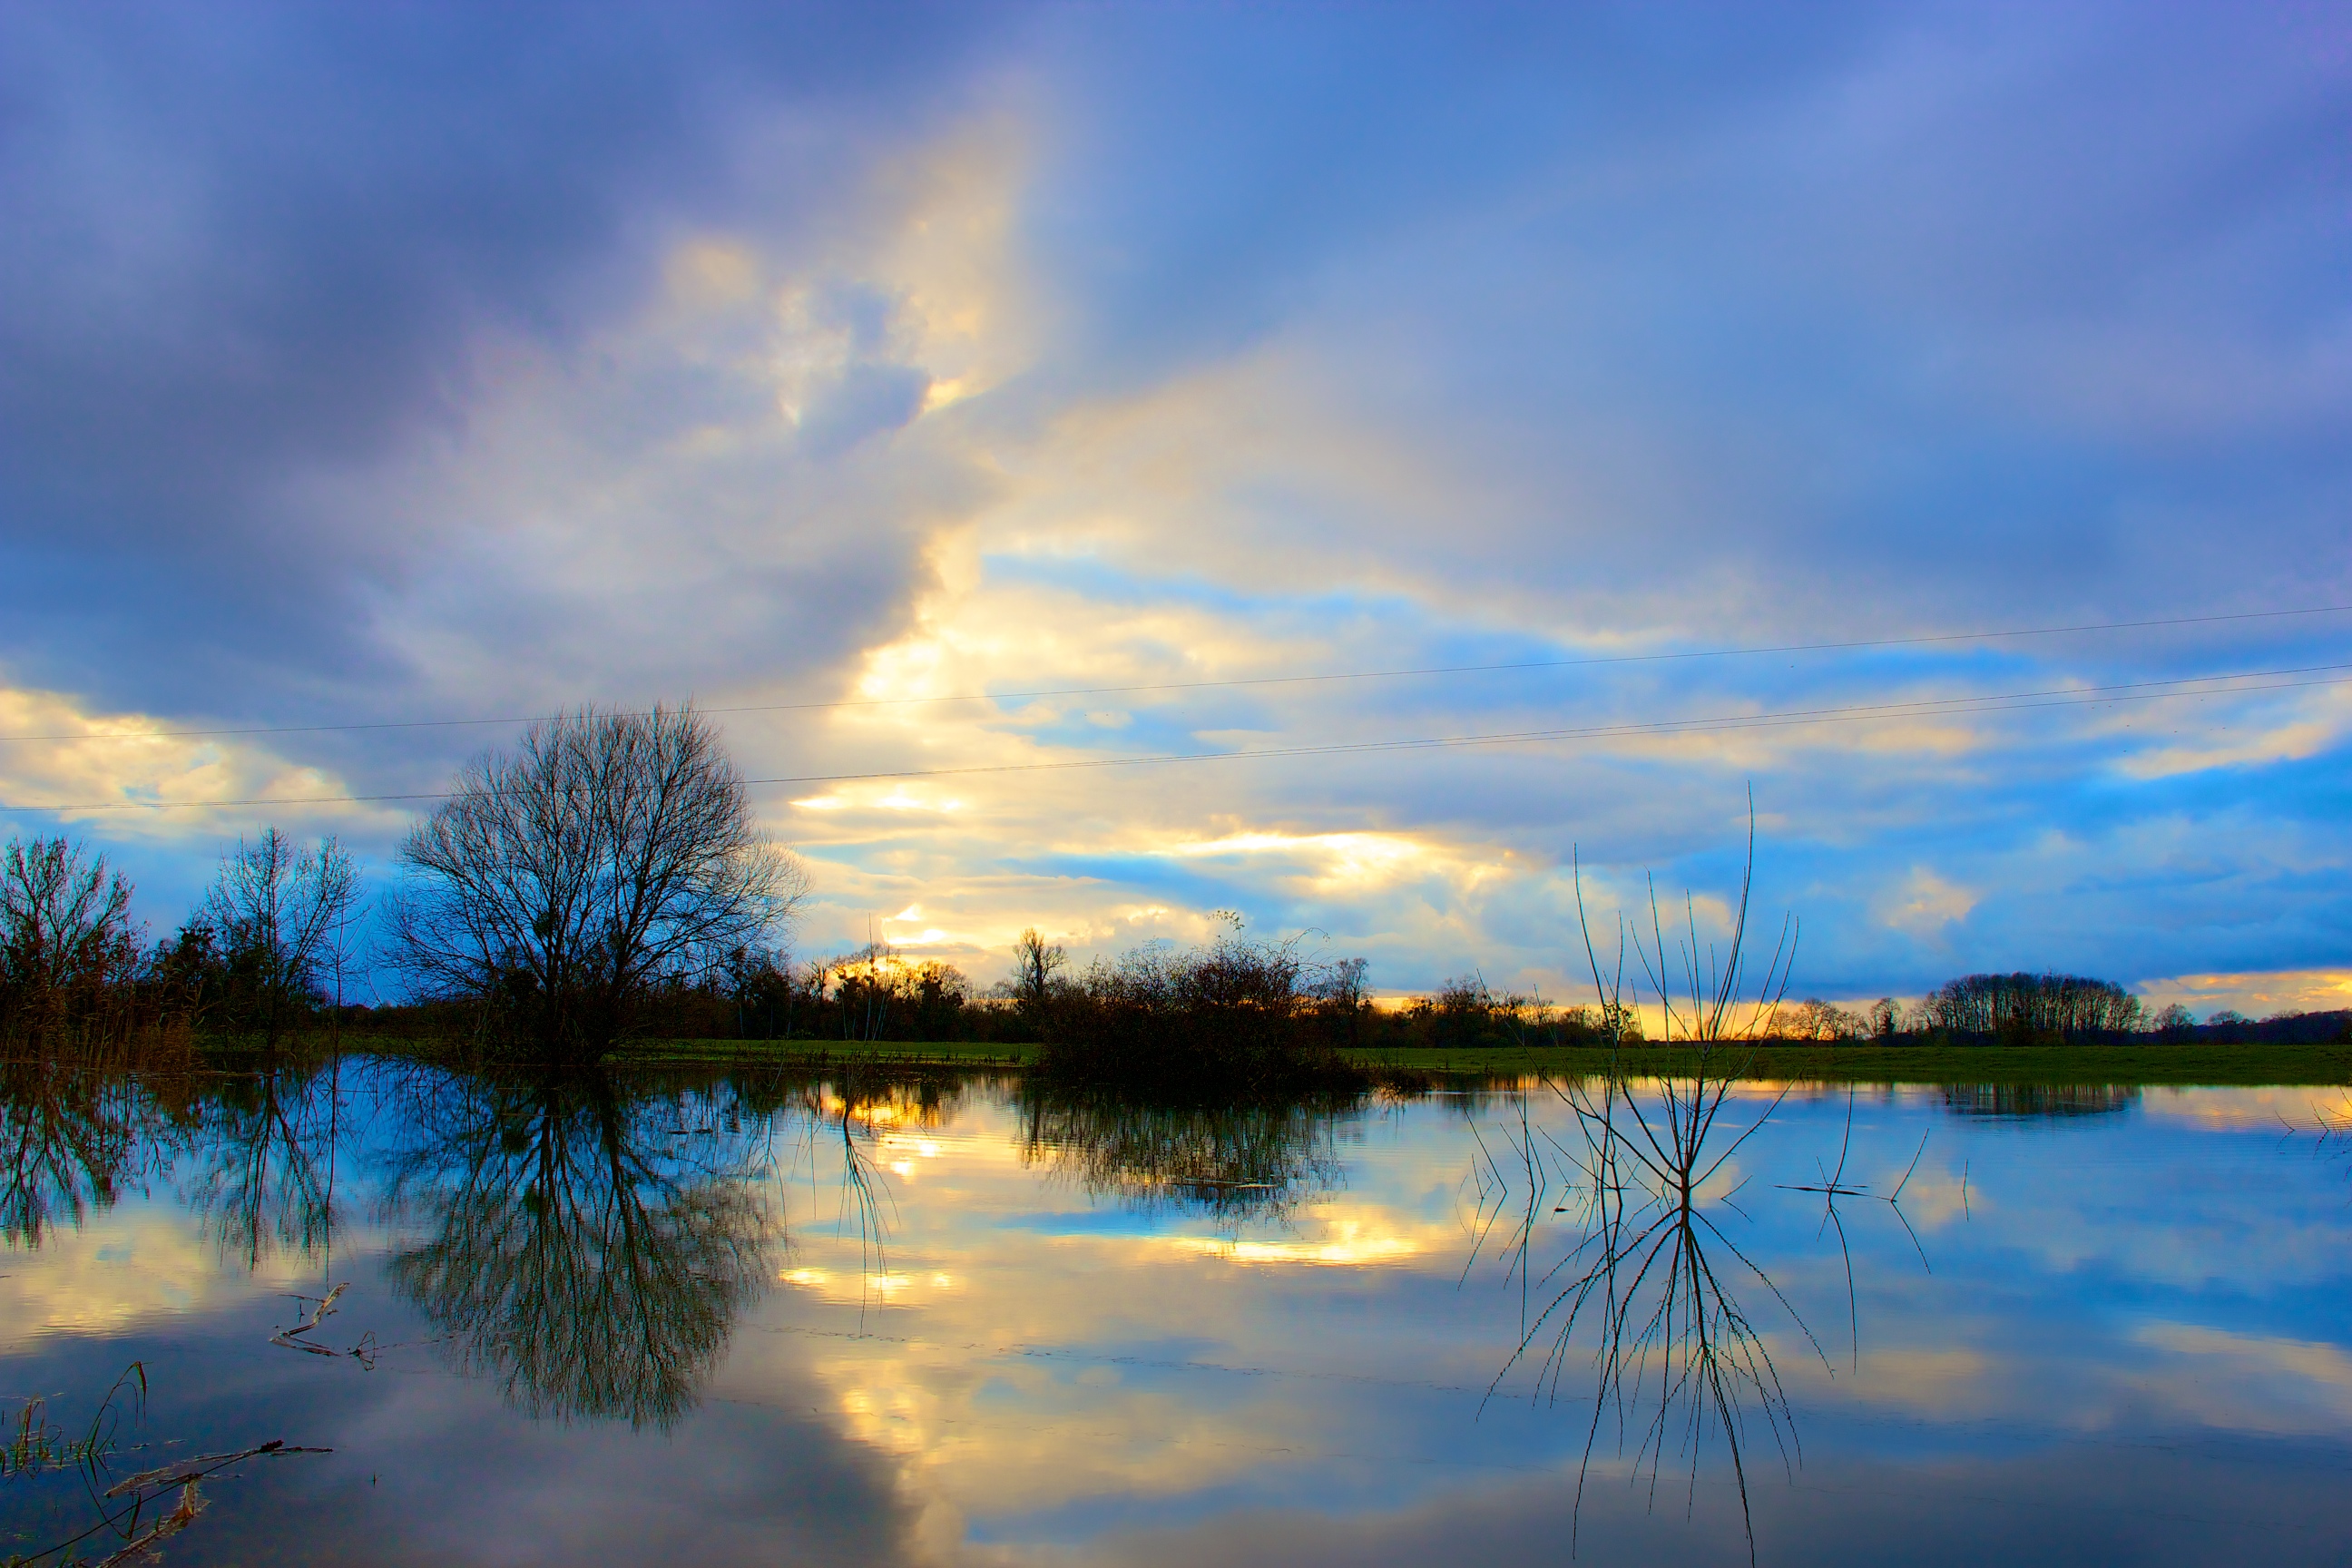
(2256, 994)
(975, 375)
(2263, 731)
(1925, 903)
(115, 769)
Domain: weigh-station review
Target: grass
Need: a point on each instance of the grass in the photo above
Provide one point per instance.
(2154, 1062)
(882, 1053)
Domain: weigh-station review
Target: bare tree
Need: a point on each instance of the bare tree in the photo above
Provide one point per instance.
(278, 912)
(66, 938)
(1035, 963)
(563, 882)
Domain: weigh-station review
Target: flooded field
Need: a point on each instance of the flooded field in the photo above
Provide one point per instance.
(773, 1318)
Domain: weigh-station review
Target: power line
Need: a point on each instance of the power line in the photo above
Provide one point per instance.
(1927, 708)
(1935, 707)
(1242, 681)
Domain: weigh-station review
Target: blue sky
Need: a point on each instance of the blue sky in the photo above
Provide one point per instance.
(372, 366)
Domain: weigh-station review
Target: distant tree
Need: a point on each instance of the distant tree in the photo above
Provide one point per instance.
(1814, 1019)
(1345, 995)
(563, 883)
(1459, 1015)
(2175, 1020)
(935, 993)
(864, 990)
(877, 994)
(2025, 1005)
(277, 914)
(758, 981)
(1035, 962)
(1618, 1022)
(1232, 1017)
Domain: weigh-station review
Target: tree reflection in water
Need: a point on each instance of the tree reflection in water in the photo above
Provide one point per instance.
(268, 1142)
(2020, 1100)
(72, 1140)
(845, 1117)
(590, 1245)
(1236, 1163)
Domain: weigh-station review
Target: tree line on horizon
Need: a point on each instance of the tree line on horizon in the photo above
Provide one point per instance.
(605, 881)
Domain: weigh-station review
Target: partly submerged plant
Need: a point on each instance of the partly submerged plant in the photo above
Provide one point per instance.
(1648, 1287)
(131, 1509)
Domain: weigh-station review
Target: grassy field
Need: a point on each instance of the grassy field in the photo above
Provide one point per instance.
(2154, 1062)
(887, 1053)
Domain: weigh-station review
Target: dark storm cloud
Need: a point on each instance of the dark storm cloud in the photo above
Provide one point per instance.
(245, 245)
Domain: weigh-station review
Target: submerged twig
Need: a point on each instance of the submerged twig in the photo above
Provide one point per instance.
(292, 1339)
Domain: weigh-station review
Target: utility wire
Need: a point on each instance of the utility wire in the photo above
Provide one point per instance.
(1935, 706)
(1241, 681)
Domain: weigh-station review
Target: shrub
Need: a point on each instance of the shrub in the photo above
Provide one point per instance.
(1235, 1017)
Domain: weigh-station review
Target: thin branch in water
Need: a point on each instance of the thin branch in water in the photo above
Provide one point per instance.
(321, 1307)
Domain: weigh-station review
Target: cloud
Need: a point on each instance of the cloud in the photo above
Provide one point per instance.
(250, 253)
(383, 367)
(1926, 903)
(85, 769)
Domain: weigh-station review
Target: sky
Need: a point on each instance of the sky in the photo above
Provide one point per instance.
(890, 381)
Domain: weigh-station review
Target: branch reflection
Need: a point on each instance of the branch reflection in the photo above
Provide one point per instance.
(268, 1143)
(72, 1140)
(590, 1245)
(1650, 1289)
(1236, 1163)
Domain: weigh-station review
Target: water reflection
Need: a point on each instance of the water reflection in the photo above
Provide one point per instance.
(1057, 1361)
(1236, 1164)
(1650, 1289)
(2023, 1099)
(71, 1141)
(590, 1247)
(854, 1110)
(266, 1144)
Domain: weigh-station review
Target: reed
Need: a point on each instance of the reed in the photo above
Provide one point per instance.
(1648, 1292)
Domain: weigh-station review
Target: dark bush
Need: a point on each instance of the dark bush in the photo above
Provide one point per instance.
(1235, 1018)
(1463, 1014)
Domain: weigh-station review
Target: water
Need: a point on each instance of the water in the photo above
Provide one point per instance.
(756, 1319)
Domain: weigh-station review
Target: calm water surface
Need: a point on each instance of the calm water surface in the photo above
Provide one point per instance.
(768, 1319)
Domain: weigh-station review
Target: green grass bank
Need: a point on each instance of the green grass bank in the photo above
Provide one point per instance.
(2153, 1063)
